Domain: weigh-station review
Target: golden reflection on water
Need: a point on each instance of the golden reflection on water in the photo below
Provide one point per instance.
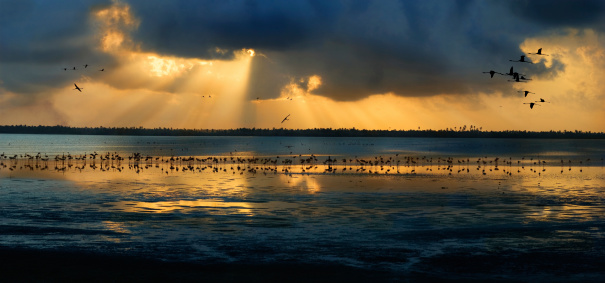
(543, 193)
(213, 206)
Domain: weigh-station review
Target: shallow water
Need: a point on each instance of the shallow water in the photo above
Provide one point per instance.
(519, 217)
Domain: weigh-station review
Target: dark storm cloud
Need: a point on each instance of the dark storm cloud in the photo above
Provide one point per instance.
(359, 48)
(39, 38)
(577, 13)
(197, 28)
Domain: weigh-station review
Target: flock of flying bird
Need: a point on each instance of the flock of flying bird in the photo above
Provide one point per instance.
(102, 70)
(521, 77)
(74, 69)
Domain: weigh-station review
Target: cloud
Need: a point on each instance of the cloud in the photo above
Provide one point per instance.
(357, 48)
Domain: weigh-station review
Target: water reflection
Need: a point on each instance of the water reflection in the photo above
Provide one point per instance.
(247, 207)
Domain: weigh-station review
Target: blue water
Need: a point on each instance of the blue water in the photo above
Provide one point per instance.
(517, 221)
(52, 145)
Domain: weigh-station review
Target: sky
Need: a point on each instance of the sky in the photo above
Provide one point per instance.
(384, 64)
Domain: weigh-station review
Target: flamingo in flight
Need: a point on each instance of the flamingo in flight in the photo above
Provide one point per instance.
(526, 92)
(491, 73)
(78, 88)
(539, 52)
(516, 78)
(285, 119)
(542, 100)
(510, 73)
(522, 60)
(531, 104)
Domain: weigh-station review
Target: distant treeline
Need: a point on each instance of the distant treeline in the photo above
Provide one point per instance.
(317, 132)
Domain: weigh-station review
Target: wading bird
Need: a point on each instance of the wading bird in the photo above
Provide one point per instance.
(491, 73)
(285, 119)
(531, 104)
(78, 88)
(522, 60)
(526, 92)
(542, 100)
(539, 52)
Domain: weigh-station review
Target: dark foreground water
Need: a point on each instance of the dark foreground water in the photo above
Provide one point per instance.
(246, 209)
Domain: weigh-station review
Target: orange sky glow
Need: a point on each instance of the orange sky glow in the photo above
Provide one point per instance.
(155, 90)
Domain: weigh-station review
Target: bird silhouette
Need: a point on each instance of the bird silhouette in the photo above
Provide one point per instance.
(102, 70)
(526, 92)
(491, 73)
(78, 88)
(524, 78)
(539, 52)
(531, 104)
(542, 100)
(522, 60)
(285, 119)
(510, 73)
(85, 65)
(516, 78)
(74, 68)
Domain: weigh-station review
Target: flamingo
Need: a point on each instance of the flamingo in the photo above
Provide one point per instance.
(524, 78)
(539, 52)
(522, 60)
(491, 73)
(542, 100)
(526, 92)
(510, 73)
(285, 119)
(78, 88)
(516, 78)
(531, 104)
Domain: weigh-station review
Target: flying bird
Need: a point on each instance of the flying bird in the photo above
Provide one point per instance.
(524, 78)
(85, 65)
(526, 92)
(542, 100)
(491, 73)
(516, 78)
(78, 88)
(539, 52)
(285, 119)
(522, 60)
(531, 104)
(510, 73)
